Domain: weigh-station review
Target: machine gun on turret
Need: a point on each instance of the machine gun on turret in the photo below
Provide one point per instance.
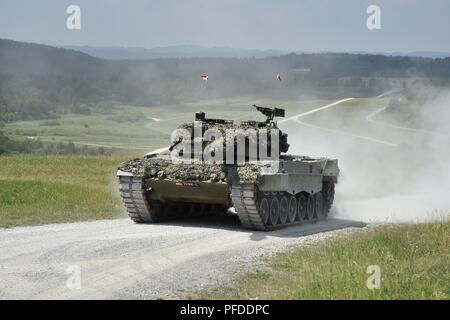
(270, 113)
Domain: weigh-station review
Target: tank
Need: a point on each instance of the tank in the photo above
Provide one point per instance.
(217, 166)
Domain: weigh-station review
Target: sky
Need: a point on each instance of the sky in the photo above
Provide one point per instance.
(291, 25)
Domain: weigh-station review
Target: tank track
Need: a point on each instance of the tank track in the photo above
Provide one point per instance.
(244, 201)
(135, 200)
(255, 209)
(142, 210)
(268, 210)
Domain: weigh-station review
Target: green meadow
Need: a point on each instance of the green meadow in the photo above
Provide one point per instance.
(52, 189)
(131, 130)
(413, 261)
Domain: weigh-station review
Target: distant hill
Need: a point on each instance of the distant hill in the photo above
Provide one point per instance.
(135, 53)
(125, 53)
(21, 58)
(419, 54)
(429, 54)
(39, 81)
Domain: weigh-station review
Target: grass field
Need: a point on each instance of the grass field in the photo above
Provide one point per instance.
(414, 261)
(148, 128)
(51, 189)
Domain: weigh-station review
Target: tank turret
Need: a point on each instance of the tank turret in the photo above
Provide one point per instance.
(227, 136)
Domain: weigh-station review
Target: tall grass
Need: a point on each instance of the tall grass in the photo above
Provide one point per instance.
(414, 261)
(50, 189)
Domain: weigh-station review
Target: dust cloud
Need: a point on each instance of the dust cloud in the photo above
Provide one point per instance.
(407, 179)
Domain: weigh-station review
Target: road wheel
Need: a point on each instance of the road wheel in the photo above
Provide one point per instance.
(301, 207)
(274, 211)
(264, 210)
(292, 209)
(284, 208)
(310, 207)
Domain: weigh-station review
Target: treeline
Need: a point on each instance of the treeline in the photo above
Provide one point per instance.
(47, 97)
(41, 82)
(34, 145)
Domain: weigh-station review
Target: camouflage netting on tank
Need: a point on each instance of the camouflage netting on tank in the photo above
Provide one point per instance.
(223, 127)
(167, 170)
(229, 131)
(248, 174)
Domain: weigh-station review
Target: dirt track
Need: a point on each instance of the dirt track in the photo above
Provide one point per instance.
(119, 259)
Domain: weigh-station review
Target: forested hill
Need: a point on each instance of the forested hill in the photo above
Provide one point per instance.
(19, 58)
(38, 81)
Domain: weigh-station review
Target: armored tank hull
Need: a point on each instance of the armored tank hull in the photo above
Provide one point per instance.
(264, 194)
(250, 172)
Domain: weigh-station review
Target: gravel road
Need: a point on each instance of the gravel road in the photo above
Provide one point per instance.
(118, 259)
